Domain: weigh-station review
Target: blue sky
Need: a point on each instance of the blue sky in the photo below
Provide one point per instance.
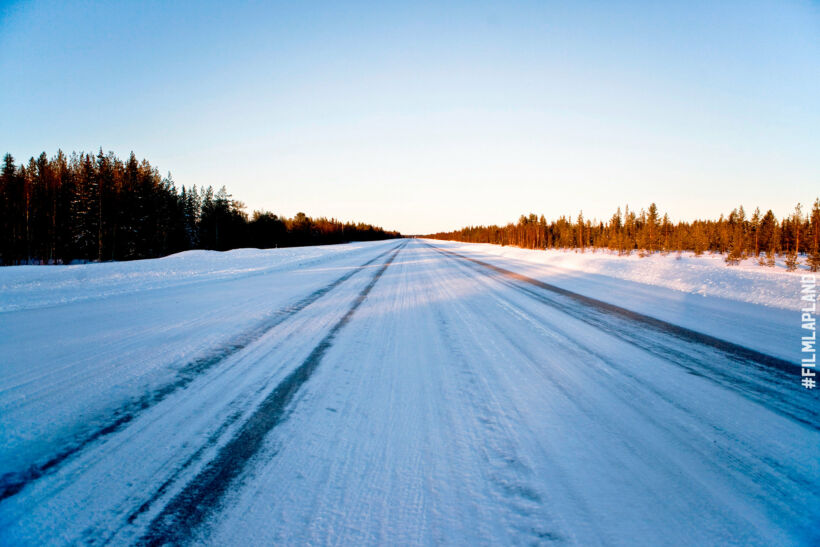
(429, 116)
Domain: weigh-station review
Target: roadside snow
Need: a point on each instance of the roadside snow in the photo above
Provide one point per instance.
(751, 305)
(706, 275)
(28, 287)
(85, 341)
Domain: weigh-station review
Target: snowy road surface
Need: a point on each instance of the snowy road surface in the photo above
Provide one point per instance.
(389, 393)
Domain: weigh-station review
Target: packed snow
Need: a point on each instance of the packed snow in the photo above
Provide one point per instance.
(404, 392)
(748, 304)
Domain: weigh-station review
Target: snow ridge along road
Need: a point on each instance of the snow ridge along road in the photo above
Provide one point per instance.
(390, 393)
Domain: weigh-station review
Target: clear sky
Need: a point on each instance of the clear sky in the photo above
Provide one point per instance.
(430, 116)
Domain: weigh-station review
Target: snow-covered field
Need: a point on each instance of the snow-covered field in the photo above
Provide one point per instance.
(405, 392)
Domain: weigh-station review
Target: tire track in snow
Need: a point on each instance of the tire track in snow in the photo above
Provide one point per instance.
(755, 382)
(505, 470)
(489, 421)
(683, 333)
(729, 454)
(14, 481)
(200, 497)
(755, 473)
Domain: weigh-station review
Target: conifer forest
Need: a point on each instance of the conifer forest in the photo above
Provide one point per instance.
(86, 207)
(738, 235)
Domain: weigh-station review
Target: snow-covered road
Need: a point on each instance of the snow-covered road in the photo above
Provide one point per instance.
(394, 393)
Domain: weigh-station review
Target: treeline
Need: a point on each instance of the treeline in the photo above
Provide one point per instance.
(737, 235)
(97, 208)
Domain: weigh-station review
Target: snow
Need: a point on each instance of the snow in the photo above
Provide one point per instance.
(704, 275)
(748, 304)
(26, 287)
(392, 393)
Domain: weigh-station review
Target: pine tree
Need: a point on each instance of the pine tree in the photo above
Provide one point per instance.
(735, 236)
(755, 229)
(791, 257)
(85, 209)
(699, 239)
(813, 260)
(580, 230)
(616, 236)
(666, 228)
(652, 218)
(10, 197)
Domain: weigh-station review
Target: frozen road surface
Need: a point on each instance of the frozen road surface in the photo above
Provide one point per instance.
(391, 393)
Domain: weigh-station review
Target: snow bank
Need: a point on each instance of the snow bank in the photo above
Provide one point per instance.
(26, 287)
(706, 275)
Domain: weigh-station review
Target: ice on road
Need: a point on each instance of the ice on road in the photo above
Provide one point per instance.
(400, 392)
